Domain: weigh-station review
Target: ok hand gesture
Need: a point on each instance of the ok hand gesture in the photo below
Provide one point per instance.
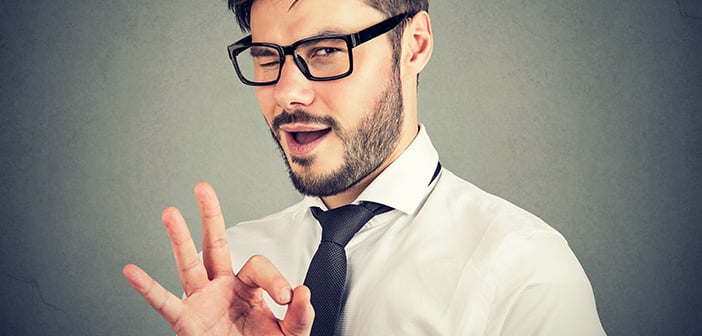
(219, 302)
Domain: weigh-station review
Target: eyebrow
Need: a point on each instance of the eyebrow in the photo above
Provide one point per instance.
(262, 52)
(328, 31)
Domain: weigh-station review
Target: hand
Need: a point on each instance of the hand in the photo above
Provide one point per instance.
(218, 301)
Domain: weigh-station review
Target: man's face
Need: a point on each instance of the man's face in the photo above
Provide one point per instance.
(332, 133)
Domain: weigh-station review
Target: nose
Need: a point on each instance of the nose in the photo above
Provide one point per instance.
(293, 88)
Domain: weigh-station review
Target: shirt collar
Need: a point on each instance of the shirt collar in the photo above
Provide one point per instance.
(406, 182)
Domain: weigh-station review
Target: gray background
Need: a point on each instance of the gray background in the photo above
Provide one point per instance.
(586, 113)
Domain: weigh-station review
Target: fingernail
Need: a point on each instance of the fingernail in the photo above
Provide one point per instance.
(285, 294)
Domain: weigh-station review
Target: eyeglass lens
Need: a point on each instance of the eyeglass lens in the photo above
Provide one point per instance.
(320, 58)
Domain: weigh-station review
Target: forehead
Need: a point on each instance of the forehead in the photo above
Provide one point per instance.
(286, 21)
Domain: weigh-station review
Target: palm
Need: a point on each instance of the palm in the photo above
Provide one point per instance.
(216, 310)
(218, 302)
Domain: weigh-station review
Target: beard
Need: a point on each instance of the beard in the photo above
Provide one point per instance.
(365, 147)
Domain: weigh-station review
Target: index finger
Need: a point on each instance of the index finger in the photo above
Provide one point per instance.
(215, 248)
(259, 272)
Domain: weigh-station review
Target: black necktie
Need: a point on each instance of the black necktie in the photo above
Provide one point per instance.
(326, 276)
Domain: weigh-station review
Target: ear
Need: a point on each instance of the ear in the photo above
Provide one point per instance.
(418, 43)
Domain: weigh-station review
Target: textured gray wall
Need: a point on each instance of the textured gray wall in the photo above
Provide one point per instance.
(586, 113)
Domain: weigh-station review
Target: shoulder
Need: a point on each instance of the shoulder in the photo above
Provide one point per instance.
(463, 202)
(508, 242)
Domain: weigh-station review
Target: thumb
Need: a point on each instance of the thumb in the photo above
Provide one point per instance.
(300, 315)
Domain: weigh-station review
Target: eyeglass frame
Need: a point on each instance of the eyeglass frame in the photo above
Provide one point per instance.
(352, 41)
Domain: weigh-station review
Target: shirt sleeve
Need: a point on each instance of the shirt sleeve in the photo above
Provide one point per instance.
(542, 289)
(564, 308)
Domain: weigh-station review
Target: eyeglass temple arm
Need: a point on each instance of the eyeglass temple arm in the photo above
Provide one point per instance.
(378, 29)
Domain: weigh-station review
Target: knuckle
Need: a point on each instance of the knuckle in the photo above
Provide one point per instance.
(162, 302)
(210, 214)
(218, 243)
(257, 260)
(190, 265)
(256, 271)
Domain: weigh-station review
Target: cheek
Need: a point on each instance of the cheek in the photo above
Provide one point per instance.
(266, 103)
(353, 97)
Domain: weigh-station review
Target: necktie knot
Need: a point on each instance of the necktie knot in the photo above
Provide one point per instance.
(339, 225)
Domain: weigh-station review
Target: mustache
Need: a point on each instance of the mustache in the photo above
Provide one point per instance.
(301, 116)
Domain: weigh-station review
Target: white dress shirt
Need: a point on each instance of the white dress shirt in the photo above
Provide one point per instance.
(450, 259)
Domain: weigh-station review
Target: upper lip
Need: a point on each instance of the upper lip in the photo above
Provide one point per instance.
(294, 128)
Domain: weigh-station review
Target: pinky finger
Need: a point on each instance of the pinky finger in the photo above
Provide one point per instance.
(164, 302)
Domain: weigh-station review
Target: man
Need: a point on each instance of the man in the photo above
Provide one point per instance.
(337, 83)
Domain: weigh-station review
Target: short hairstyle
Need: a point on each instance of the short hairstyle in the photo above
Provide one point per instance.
(242, 10)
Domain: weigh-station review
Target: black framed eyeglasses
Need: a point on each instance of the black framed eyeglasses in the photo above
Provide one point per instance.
(319, 58)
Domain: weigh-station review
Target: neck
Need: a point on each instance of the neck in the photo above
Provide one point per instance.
(349, 195)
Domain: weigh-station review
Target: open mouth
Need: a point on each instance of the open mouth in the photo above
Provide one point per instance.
(304, 138)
